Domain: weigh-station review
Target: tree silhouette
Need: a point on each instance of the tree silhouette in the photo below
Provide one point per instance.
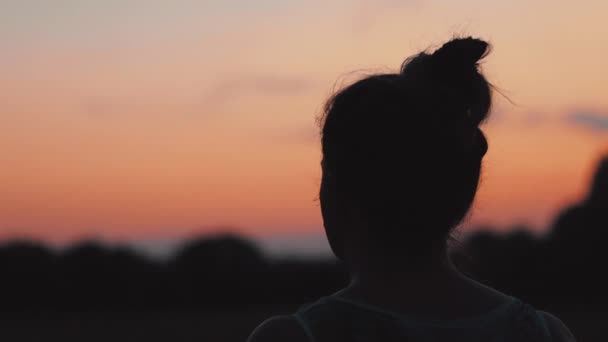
(564, 269)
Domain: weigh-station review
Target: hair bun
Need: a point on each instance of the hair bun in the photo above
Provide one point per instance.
(460, 54)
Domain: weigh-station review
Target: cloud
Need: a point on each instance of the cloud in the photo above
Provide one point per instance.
(105, 105)
(594, 121)
(261, 85)
(534, 118)
(302, 134)
(283, 85)
(367, 14)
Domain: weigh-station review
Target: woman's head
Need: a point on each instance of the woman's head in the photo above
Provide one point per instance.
(402, 152)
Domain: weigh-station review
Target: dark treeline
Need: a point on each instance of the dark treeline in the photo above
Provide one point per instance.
(210, 273)
(564, 270)
(561, 271)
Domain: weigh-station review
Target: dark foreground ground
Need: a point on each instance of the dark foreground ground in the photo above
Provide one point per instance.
(225, 326)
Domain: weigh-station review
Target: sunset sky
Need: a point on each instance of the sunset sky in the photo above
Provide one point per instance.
(131, 120)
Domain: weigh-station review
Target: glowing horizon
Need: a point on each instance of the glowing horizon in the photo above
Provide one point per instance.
(135, 119)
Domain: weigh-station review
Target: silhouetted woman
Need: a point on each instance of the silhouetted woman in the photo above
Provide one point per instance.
(401, 164)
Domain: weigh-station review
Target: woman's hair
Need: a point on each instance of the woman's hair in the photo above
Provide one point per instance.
(402, 152)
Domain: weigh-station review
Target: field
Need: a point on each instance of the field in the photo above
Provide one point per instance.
(223, 326)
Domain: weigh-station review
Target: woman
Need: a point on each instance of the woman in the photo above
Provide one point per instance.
(401, 164)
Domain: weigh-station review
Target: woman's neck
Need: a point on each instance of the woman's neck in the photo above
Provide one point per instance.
(437, 288)
(393, 274)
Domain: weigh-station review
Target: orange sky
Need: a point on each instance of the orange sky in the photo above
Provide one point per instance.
(138, 119)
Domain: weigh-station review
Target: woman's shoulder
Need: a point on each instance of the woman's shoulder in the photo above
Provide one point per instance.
(299, 326)
(524, 322)
(279, 328)
(558, 330)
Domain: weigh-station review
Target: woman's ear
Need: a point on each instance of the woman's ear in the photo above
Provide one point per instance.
(342, 220)
(331, 212)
